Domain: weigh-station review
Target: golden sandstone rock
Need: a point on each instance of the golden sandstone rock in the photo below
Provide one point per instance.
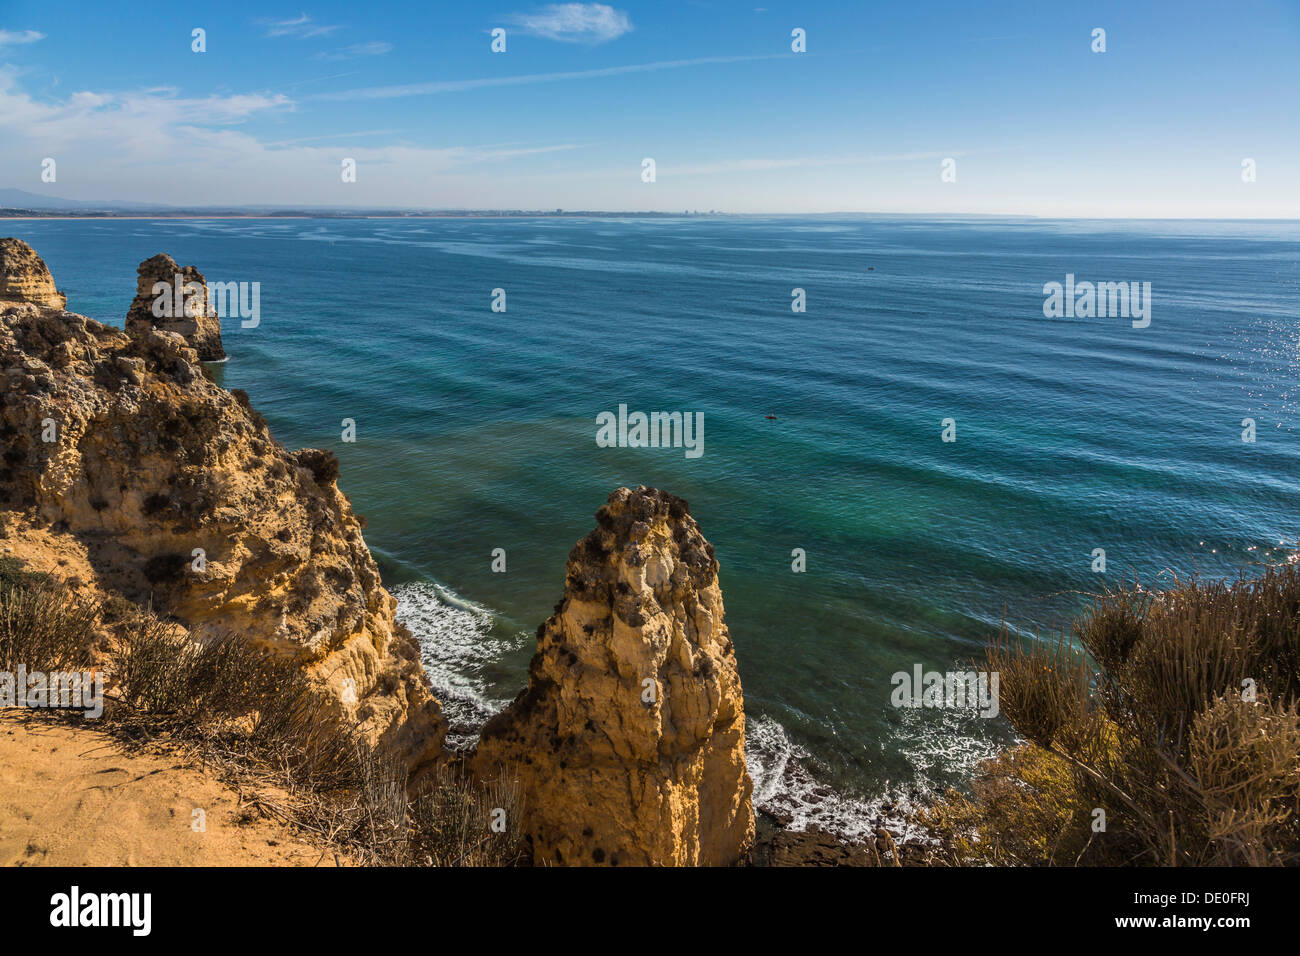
(127, 470)
(124, 459)
(25, 278)
(192, 314)
(629, 742)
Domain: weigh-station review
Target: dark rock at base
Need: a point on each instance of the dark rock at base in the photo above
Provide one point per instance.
(813, 847)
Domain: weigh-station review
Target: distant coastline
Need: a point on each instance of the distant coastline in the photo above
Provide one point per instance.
(31, 217)
(108, 212)
(36, 215)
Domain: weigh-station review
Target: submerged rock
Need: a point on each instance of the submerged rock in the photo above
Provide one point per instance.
(185, 306)
(629, 742)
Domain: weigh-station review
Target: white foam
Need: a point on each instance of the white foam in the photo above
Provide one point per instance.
(456, 644)
(943, 744)
(937, 745)
(785, 786)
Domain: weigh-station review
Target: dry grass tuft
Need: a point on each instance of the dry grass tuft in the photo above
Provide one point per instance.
(1175, 714)
(261, 724)
(41, 628)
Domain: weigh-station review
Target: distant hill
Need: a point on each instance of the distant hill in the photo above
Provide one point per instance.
(21, 199)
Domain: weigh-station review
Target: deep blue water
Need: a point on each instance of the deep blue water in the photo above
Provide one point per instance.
(476, 430)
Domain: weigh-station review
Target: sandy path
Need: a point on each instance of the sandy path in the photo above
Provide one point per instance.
(72, 796)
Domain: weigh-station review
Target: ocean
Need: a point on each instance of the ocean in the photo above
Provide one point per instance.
(475, 430)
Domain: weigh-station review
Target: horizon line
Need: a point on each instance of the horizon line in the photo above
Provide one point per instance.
(399, 212)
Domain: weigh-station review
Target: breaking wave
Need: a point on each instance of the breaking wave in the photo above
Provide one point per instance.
(461, 642)
(458, 640)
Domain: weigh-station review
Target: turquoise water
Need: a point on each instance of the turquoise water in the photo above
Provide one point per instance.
(476, 430)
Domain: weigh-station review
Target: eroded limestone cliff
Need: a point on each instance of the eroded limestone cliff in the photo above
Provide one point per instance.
(126, 469)
(124, 466)
(629, 742)
(187, 307)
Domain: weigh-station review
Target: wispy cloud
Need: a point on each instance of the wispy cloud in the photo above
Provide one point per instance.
(373, 48)
(321, 79)
(156, 145)
(138, 119)
(300, 26)
(457, 86)
(19, 37)
(333, 137)
(574, 22)
(762, 164)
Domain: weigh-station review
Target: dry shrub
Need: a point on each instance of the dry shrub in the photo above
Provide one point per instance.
(1243, 765)
(356, 800)
(154, 668)
(459, 822)
(41, 627)
(162, 671)
(1149, 717)
(1023, 810)
(278, 739)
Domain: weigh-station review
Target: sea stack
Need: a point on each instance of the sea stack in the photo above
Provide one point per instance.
(629, 741)
(24, 277)
(185, 307)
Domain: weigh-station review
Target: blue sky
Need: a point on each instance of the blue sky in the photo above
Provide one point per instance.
(1036, 122)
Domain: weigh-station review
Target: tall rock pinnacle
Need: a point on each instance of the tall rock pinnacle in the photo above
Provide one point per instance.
(629, 741)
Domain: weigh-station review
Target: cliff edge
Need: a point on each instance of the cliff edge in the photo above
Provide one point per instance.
(127, 470)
